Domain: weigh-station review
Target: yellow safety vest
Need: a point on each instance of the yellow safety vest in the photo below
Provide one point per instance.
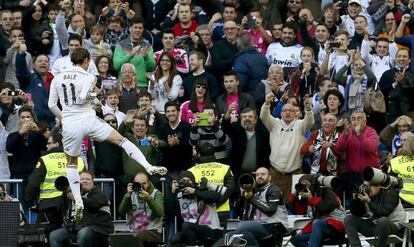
(55, 164)
(404, 167)
(215, 173)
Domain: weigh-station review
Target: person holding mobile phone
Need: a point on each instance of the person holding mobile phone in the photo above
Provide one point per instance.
(137, 51)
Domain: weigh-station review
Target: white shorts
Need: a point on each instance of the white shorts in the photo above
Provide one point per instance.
(74, 131)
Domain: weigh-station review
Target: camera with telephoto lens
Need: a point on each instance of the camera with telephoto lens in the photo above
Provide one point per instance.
(136, 187)
(376, 176)
(362, 189)
(332, 182)
(2, 195)
(247, 182)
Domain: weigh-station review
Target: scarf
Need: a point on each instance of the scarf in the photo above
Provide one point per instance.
(331, 159)
(357, 87)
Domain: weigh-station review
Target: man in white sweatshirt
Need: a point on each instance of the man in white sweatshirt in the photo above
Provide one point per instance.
(286, 137)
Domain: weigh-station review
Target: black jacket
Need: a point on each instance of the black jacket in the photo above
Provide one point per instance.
(238, 138)
(245, 100)
(26, 151)
(94, 216)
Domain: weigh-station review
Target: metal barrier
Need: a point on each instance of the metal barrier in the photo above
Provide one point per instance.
(7, 184)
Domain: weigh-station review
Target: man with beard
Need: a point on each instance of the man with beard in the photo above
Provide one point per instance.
(264, 206)
(250, 144)
(197, 60)
(285, 53)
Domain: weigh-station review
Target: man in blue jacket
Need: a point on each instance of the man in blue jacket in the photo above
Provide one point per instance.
(36, 83)
(249, 64)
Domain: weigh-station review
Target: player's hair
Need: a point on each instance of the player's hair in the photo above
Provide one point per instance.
(231, 73)
(171, 103)
(75, 36)
(79, 55)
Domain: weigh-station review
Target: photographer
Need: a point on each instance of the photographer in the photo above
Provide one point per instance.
(385, 210)
(145, 208)
(96, 223)
(198, 211)
(261, 209)
(328, 213)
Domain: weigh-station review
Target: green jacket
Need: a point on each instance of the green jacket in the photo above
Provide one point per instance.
(156, 204)
(142, 64)
(152, 154)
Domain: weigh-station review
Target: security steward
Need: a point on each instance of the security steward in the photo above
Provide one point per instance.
(40, 193)
(218, 175)
(403, 166)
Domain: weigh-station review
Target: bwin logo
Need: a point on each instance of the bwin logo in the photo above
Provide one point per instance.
(283, 63)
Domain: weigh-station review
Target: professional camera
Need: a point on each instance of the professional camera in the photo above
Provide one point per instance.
(247, 182)
(206, 185)
(62, 183)
(363, 189)
(183, 184)
(183, 42)
(136, 187)
(332, 182)
(376, 176)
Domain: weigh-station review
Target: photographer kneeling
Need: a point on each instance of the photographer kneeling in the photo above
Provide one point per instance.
(145, 208)
(263, 208)
(384, 208)
(198, 211)
(328, 213)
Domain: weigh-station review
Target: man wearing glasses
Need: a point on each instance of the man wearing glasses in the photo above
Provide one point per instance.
(287, 135)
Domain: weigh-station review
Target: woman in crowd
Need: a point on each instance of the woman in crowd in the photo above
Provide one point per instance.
(104, 65)
(200, 99)
(165, 83)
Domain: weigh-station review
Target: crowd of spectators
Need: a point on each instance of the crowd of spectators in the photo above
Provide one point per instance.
(284, 85)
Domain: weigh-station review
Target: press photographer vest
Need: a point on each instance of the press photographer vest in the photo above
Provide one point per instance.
(55, 164)
(404, 167)
(215, 173)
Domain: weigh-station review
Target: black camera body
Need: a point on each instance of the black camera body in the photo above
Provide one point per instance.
(136, 187)
(183, 184)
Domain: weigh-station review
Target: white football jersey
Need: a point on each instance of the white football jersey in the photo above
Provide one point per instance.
(72, 88)
(285, 56)
(64, 63)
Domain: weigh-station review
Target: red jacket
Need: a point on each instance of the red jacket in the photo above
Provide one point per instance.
(361, 151)
(180, 31)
